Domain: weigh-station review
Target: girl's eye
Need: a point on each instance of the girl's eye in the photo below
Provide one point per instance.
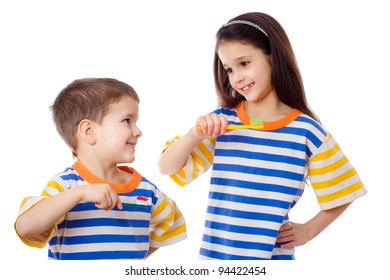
(126, 120)
(229, 70)
(244, 63)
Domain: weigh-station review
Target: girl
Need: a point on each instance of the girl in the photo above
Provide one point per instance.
(259, 173)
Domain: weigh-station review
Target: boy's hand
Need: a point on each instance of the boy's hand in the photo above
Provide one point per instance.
(211, 125)
(102, 195)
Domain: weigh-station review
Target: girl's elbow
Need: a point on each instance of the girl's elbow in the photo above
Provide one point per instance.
(22, 229)
(163, 168)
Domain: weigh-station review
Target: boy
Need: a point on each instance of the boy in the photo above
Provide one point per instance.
(98, 209)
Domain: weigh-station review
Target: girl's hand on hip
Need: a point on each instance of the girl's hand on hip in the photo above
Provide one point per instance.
(293, 235)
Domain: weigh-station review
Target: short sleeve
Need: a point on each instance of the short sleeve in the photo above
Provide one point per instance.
(39, 241)
(198, 162)
(334, 180)
(167, 222)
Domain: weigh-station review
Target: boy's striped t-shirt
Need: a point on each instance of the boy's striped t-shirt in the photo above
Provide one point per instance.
(259, 175)
(148, 219)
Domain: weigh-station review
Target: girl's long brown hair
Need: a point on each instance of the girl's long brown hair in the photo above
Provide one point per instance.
(286, 78)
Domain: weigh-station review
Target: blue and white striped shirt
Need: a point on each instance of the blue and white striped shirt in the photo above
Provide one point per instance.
(148, 219)
(258, 175)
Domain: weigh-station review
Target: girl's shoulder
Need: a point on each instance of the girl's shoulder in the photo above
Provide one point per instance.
(306, 122)
(225, 111)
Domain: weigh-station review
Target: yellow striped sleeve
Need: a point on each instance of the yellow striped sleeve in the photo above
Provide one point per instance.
(326, 154)
(167, 236)
(167, 223)
(339, 194)
(197, 163)
(52, 188)
(204, 148)
(40, 240)
(334, 179)
(160, 207)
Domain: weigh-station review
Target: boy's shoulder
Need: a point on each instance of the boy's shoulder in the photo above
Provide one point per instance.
(67, 178)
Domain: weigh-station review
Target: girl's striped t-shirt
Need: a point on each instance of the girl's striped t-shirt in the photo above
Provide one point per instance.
(258, 175)
(148, 219)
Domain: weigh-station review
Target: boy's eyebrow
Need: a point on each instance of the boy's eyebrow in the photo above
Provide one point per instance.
(131, 115)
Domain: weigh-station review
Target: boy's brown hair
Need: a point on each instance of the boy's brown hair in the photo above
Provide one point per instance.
(86, 99)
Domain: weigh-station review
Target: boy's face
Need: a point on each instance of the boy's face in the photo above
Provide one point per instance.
(118, 133)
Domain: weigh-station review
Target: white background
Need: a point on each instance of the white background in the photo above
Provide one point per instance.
(164, 49)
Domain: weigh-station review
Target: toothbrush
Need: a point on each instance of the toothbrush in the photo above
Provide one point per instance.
(255, 124)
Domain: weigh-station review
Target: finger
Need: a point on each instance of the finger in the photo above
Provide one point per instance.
(287, 245)
(100, 204)
(286, 226)
(286, 231)
(216, 125)
(285, 239)
(109, 201)
(202, 123)
(284, 234)
(210, 125)
(119, 204)
(116, 200)
(105, 202)
(224, 124)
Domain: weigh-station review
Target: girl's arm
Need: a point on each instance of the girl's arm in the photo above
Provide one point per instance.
(175, 156)
(294, 234)
(42, 216)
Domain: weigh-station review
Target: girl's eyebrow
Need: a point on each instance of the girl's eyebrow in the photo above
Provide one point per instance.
(239, 59)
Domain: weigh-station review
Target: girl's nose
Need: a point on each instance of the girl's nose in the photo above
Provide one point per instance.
(238, 77)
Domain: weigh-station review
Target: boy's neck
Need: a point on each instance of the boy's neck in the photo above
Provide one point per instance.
(108, 172)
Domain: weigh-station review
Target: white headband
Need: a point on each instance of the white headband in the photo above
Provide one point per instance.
(247, 23)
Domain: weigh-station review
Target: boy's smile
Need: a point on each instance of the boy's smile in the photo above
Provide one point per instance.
(118, 134)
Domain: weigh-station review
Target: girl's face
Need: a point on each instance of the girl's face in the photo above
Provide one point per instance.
(248, 69)
(118, 134)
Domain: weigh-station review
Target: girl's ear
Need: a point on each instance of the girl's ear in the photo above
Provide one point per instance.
(86, 131)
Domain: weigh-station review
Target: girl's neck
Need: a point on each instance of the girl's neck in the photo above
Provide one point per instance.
(267, 110)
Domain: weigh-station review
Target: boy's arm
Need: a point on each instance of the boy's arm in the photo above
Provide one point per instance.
(42, 216)
(46, 213)
(294, 234)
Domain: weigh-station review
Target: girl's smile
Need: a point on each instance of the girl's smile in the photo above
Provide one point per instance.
(248, 69)
(247, 87)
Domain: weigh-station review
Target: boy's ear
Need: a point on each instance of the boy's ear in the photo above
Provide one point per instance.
(86, 130)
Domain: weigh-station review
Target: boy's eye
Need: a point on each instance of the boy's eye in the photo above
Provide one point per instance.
(126, 120)
(244, 63)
